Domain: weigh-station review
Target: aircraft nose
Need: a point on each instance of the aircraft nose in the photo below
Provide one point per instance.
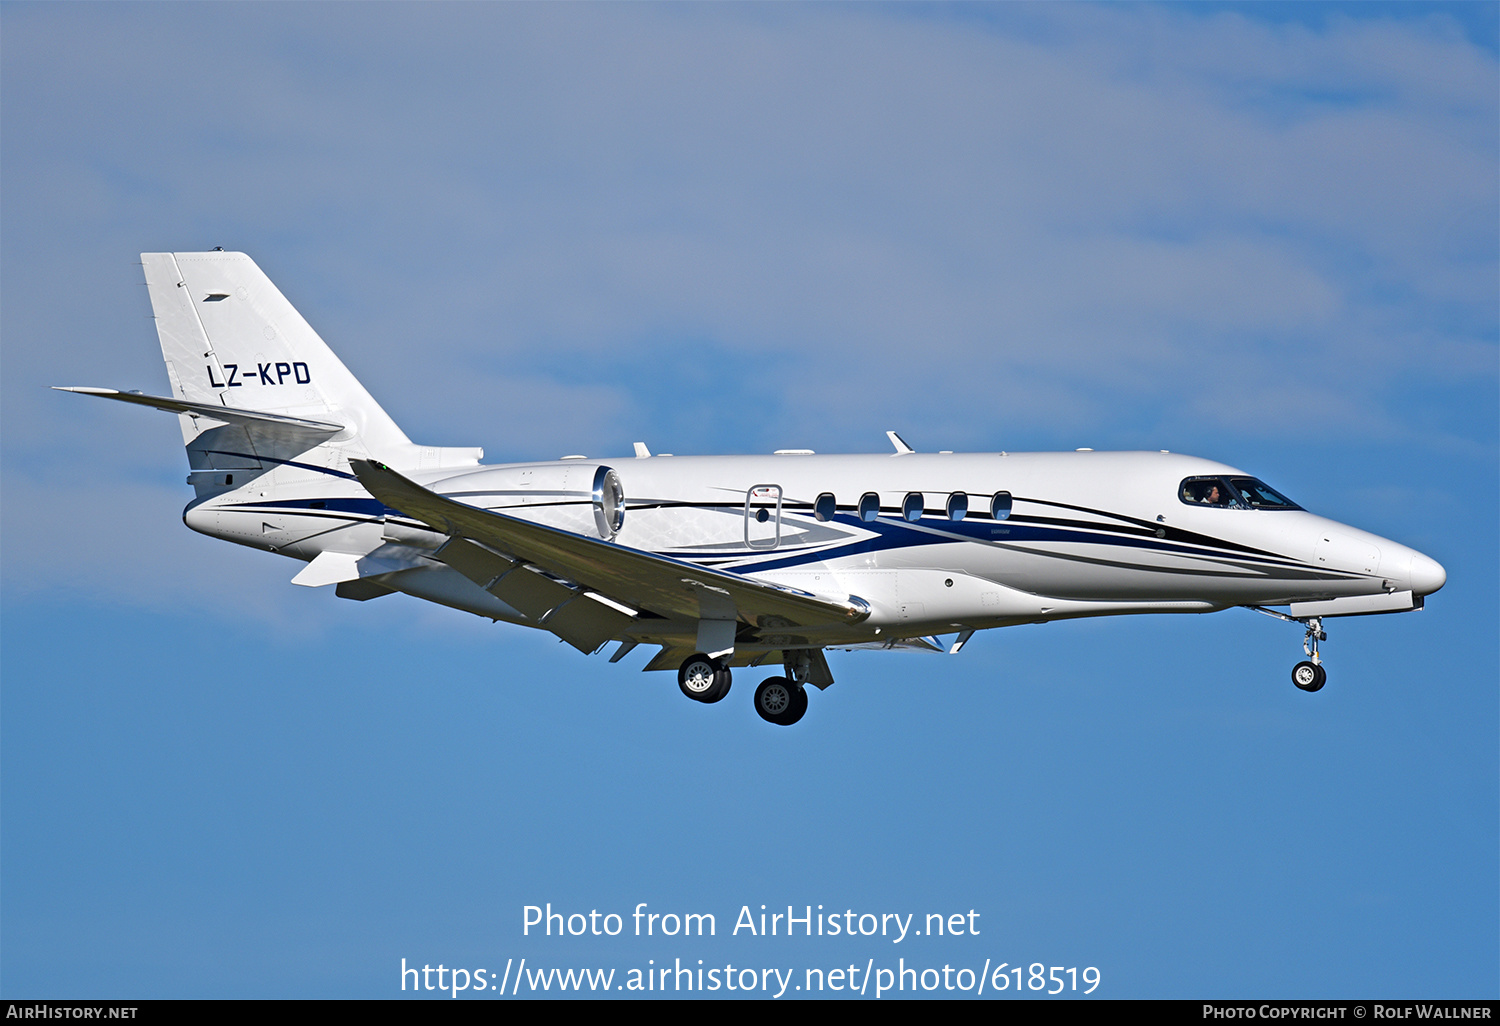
(1427, 575)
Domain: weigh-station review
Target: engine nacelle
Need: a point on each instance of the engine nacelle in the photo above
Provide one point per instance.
(609, 503)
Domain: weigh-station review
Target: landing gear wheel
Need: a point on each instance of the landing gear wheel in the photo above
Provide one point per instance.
(699, 679)
(799, 708)
(779, 701)
(720, 687)
(1309, 676)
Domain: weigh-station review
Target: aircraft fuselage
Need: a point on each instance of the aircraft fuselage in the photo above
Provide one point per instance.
(1086, 533)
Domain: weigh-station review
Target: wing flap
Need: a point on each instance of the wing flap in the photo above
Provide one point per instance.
(668, 587)
(668, 658)
(509, 580)
(566, 612)
(475, 562)
(528, 592)
(586, 624)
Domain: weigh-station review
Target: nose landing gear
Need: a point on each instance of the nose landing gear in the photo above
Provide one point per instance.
(1309, 674)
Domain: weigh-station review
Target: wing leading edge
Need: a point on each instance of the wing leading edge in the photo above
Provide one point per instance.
(669, 588)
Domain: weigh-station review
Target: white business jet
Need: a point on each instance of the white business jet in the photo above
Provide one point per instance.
(722, 561)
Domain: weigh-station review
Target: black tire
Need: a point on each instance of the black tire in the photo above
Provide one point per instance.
(795, 713)
(1309, 676)
(780, 701)
(699, 677)
(720, 687)
(774, 698)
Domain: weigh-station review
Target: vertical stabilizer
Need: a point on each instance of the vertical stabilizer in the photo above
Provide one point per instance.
(230, 338)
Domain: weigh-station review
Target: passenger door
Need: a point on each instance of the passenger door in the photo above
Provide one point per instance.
(763, 516)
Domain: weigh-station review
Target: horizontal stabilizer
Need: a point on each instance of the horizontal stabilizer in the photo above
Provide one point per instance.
(294, 433)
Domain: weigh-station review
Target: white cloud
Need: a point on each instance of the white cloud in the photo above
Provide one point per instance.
(516, 223)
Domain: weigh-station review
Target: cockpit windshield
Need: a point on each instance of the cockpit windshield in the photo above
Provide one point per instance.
(1259, 495)
(1233, 493)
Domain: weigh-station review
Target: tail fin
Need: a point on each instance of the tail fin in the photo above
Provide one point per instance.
(231, 339)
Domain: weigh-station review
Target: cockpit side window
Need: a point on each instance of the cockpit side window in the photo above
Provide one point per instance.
(1209, 491)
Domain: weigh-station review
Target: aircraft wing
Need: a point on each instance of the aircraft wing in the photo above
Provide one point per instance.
(670, 588)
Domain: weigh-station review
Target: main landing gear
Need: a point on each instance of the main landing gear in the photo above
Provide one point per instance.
(783, 700)
(778, 700)
(1309, 674)
(703, 679)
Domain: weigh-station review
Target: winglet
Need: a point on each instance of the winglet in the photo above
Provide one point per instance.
(900, 443)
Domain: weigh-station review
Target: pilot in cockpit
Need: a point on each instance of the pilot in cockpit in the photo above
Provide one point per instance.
(1208, 492)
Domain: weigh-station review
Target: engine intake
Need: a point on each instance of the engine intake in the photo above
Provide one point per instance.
(609, 503)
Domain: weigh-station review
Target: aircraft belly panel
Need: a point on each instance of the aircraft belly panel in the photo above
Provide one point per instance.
(1113, 572)
(449, 588)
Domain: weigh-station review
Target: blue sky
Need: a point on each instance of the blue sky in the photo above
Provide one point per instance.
(1264, 234)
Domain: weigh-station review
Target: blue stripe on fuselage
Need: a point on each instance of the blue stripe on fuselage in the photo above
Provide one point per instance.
(359, 507)
(893, 534)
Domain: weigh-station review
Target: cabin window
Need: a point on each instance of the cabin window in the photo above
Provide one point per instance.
(958, 506)
(869, 506)
(1000, 505)
(911, 506)
(824, 507)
